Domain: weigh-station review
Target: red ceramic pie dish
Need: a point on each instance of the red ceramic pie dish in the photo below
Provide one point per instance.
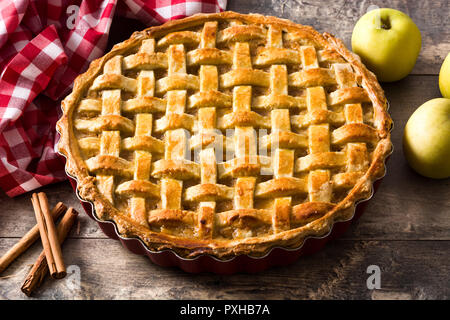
(124, 119)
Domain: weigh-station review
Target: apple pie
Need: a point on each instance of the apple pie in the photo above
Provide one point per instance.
(225, 134)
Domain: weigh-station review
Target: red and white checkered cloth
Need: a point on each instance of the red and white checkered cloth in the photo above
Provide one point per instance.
(44, 45)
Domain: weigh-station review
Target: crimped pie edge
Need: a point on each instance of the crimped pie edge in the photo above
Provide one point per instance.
(223, 249)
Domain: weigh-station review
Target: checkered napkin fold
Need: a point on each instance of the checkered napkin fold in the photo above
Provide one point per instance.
(44, 45)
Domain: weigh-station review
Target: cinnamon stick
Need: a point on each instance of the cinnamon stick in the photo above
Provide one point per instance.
(40, 267)
(28, 239)
(49, 237)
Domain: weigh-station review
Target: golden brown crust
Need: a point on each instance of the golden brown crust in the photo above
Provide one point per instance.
(310, 219)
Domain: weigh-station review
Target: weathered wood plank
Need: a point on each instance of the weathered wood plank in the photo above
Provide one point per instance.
(409, 269)
(18, 217)
(340, 16)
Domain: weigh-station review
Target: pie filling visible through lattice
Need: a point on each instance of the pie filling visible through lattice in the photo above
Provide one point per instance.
(225, 134)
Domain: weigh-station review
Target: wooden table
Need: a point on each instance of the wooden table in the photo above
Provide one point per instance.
(405, 229)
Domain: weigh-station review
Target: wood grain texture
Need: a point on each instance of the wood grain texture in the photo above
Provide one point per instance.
(411, 269)
(404, 230)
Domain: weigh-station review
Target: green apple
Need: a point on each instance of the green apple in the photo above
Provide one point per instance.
(426, 140)
(388, 42)
(444, 78)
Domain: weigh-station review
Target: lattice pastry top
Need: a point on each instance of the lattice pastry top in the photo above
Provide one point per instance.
(225, 134)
